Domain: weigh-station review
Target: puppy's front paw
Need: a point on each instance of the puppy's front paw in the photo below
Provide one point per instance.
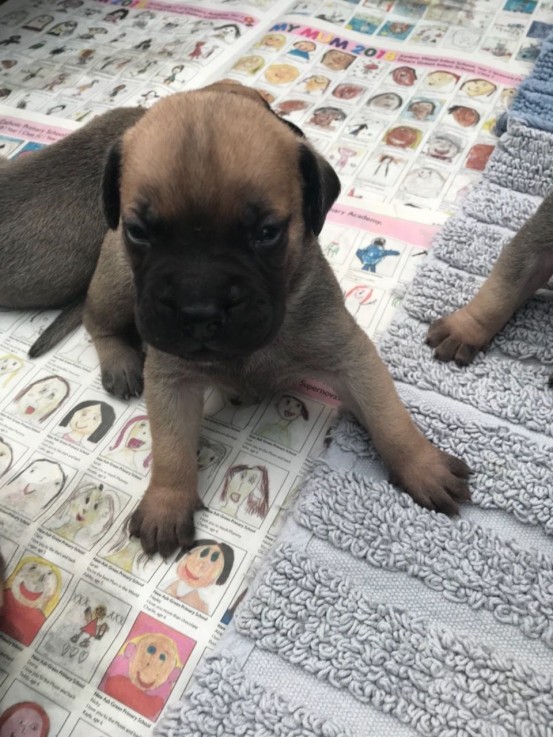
(457, 337)
(435, 480)
(124, 379)
(164, 519)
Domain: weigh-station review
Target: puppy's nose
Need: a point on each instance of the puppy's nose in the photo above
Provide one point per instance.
(202, 321)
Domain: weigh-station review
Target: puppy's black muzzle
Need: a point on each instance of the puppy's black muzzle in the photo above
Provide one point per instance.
(209, 321)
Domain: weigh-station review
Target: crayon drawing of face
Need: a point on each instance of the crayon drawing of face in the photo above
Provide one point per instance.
(290, 408)
(273, 41)
(337, 60)
(86, 516)
(134, 443)
(316, 84)
(25, 719)
(207, 564)
(31, 593)
(249, 64)
(245, 492)
(210, 454)
(348, 91)
(386, 102)
(357, 297)
(89, 420)
(404, 76)
(146, 668)
(424, 182)
(422, 110)
(478, 88)
(440, 80)
(443, 146)
(34, 489)
(153, 661)
(466, 117)
(6, 457)
(281, 74)
(403, 136)
(41, 398)
(9, 367)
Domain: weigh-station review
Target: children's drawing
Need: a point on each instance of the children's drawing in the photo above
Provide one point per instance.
(31, 593)
(147, 666)
(290, 411)
(84, 630)
(86, 516)
(245, 492)
(359, 296)
(133, 446)
(24, 719)
(198, 574)
(127, 554)
(37, 401)
(10, 365)
(210, 454)
(234, 410)
(88, 421)
(424, 182)
(371, 255)
(34, 488)
(385, 102)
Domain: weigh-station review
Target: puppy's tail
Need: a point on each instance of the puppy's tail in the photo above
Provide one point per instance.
(68, 320)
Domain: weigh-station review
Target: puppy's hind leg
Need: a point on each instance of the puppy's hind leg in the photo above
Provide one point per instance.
(524, 265)
(109, 318)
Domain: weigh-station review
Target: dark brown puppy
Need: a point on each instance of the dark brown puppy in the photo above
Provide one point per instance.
(216, 205)
(52, 224)
(524, 265)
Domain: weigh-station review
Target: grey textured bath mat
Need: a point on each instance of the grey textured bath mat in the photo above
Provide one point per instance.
(373, 616)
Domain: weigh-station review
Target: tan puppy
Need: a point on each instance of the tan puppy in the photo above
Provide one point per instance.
(216, 205)
(524, 265)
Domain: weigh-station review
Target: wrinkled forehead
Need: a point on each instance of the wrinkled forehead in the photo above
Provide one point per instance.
(215, 159)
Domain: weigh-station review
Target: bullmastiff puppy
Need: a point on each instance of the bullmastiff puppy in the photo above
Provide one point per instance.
(524, 265)
(52, 225)
(213, 263)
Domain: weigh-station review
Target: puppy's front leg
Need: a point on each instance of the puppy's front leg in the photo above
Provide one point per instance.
(524, 265)
(164, 519)
(433, 478)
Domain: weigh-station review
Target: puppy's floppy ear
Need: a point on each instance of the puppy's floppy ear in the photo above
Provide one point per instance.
(321, 187)
(111, 198)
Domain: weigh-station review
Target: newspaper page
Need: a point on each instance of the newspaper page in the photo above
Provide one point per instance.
(96, 638)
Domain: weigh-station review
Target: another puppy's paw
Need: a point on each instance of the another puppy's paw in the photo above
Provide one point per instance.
(126, 379)
(435, 480)
(457, 337)
(164, 519)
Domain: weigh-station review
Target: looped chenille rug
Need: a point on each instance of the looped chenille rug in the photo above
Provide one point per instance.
(372, 616)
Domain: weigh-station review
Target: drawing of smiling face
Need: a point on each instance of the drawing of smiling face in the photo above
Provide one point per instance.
(35, 486)
(41, 398)
(88, 506)
(139, 438)
(34, 585)
(289, 408)
(153, 662)
(202, 566)
(85, 421)
(442, 147)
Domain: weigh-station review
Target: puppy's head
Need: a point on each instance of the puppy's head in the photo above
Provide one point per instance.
(219, 202)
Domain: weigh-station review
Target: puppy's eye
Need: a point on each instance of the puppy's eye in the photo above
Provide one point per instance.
(269, 234)
(136, 234)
